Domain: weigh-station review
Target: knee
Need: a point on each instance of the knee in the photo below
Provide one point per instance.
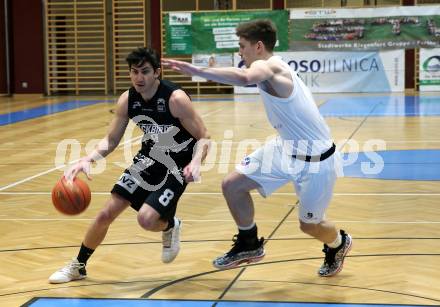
(147, 221)
(231, 186)
(308, 228)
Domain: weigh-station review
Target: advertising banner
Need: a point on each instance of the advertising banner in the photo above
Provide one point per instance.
(337, 72)
(429, 75)
(214, 32)
(365, 29)
(178, 33)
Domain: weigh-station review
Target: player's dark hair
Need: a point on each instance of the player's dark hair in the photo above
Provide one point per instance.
(141, 55)
(263, 30)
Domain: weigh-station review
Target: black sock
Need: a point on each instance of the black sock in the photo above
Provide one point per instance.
(84, 254)
(249, 236)
(170, 224)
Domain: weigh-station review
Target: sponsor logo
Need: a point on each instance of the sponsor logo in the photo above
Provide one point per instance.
(180, 19)
(432, 64)
(320, 13)
(246, 161)
(128, 182)
(136, 104)
(164, 142)
(334, 65)
(155, 128)
(161, 105)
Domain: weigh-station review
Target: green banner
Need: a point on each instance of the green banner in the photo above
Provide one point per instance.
(178, 38)
(214, 32)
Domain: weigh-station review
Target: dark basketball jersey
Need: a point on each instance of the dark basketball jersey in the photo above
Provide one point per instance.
(159, 126)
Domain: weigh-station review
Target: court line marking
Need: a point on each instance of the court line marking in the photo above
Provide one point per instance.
(195, 278)
(211, 221)
(252, 193)
(61, 166)
(236, 278)
(393, 141)
(233, 142)
(263, 263)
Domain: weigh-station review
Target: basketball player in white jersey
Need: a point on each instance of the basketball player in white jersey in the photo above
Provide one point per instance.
(304, 139)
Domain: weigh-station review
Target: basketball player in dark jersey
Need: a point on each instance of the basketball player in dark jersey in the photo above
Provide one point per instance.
(173, 146)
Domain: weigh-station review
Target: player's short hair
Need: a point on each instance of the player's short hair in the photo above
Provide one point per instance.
(141, 55)
(263, 30)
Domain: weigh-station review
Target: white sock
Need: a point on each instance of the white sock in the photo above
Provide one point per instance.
(246, 227)
(337, 242)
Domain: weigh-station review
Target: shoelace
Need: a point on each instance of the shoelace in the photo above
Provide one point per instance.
(167, 236)
(72, 265)
(330, 254)
(237, 245)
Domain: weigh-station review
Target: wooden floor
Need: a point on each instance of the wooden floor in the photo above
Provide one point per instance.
(395, 223)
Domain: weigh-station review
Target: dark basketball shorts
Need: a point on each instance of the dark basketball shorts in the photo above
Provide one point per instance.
(159, 188)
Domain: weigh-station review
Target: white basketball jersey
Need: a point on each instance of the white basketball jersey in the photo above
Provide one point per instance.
(297, 119)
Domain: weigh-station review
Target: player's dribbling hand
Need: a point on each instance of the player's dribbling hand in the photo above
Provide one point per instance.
(83, 165)
(191, 172)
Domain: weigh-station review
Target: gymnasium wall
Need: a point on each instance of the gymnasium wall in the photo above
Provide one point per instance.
(155, 25)
(2, 51)
(27, 46)
(27, 43)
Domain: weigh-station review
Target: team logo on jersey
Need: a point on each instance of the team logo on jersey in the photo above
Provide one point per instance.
(136, 104)
(161, 105)
(163, 143)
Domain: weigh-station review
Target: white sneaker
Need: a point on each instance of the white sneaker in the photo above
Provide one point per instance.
(171, 242)
(72, 271)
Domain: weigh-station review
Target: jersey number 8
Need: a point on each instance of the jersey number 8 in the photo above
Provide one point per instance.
(166, 197)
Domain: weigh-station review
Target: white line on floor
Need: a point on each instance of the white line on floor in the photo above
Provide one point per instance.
(255, 193)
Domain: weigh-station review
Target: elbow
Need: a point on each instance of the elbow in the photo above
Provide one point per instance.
(205, 140)
(245, 80)
(202, 135)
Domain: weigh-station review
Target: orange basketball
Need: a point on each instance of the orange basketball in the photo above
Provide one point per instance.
(71, 197)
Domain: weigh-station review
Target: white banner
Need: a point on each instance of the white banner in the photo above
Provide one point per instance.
(211, 60)
(365, 29)
(335, 72)
(389, 11)
(429, 73)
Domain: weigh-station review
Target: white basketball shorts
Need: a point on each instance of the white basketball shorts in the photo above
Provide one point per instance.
(313, 181)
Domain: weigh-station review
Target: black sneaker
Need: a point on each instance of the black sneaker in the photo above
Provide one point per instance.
(334, 257)
(240, 253)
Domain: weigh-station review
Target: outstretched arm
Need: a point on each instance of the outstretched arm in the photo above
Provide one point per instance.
(258, 72)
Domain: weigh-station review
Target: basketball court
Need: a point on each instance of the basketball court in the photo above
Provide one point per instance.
(388, 201)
